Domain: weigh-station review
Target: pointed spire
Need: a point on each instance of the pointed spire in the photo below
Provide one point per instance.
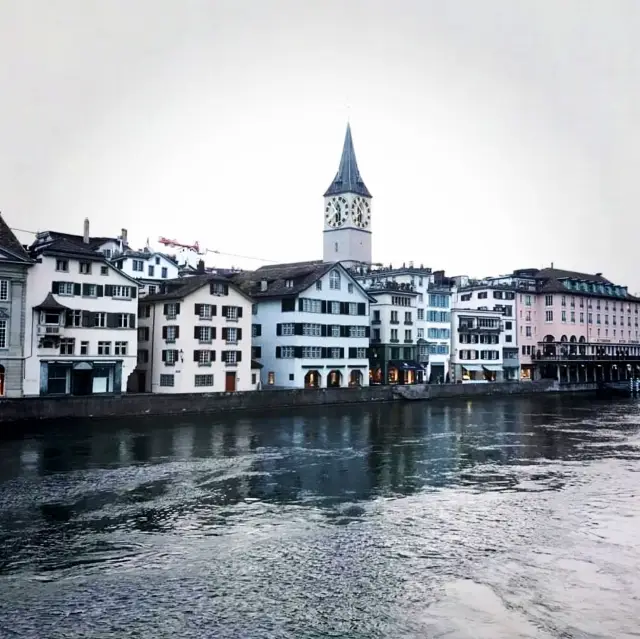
(347, 179)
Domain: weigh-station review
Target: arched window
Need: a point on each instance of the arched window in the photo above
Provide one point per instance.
(573, 339)
(334, 280)
(563, 338)
(549, 338)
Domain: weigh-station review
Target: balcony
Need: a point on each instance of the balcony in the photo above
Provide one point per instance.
(408, 323)
(408, 341)
(394, 321)
(480, 329)
(49, 329)
(375, 340)
(376, 322)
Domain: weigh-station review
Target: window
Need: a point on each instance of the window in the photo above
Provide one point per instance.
(85, 268)
(287, 329)
(508, 326)
(335, 330)
(253, 378)
(106, 252)
(335, 308)
(143, 356)
(151, 270)
(84, 348)
(203, 380)
(407, 318)
(407, 336)
(218, 288)
(62, 265)
(152, 289)
(232, 312)
(357, 331)
(157, 260)
(288, 283)
(120, 348)
(527, 331)
(104, 348)
(204, 334)
(527, 300)
(3, 333)
(353, 308)
(548, 316)
(50, 319)
(314, 330)
(548, 300)
(123, 320)
(311, 306)
(232, 357)
(508, 338)
(394, 317)
(394, 335)
(4, 290)
(138, 266)
(564, 316)
(271, 378)
(287, 352)
(421, 314)
(334, 281)
(311, 352)
(57, 379)
(204, 311)
(361, 353)
(319, 285)
(67, 346)
(232, 335)
(74, 318)
(350, 288)
(171, 311)
(563, 300)
(166, 380)
(202, 357)
(123, 292)
(65, 288)
(164, 272)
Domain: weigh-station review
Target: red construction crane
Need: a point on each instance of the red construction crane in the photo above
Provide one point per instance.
(190, 247)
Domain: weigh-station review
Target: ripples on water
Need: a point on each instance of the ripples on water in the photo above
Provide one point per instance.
(513, 518)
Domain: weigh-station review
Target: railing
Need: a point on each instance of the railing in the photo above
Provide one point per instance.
(230, 364)
(585, 358)
(44, 329)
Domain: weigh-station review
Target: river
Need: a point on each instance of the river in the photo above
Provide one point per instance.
(504, 518)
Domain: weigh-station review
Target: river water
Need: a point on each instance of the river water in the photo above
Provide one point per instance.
(506, 518)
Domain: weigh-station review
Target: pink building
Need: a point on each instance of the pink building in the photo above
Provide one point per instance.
(576, 326)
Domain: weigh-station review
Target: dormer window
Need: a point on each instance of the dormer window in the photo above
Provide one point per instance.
(288, 283)
(334, 281)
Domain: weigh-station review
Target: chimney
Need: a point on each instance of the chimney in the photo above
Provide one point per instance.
(199, 267)
(85, 236)
(123, 235)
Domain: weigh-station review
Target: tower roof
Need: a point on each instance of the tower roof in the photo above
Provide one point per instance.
(347, 179)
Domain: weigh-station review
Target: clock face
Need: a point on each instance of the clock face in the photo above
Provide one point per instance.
(361, 213)
(336, 211)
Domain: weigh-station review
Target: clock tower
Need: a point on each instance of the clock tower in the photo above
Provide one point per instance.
(347, 212)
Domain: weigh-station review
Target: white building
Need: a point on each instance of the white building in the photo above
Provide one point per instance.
(438, 305)
(149, 268)
(195, 336)
(477, 343)
(347, 212)
(80, 320)
(310, 325)
(497, 295)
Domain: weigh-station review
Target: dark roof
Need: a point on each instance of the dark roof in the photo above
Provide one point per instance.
(94, 242)
(144, 255)
(303, 274)
(10, 243)
(181, 287)
(255, 364)
(559, 274)
(347, 179)
(50, 304)
(64, 246)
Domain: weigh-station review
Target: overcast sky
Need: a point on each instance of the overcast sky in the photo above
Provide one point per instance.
(493, 134)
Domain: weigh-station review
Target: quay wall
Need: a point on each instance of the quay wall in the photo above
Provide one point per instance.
(30, 409)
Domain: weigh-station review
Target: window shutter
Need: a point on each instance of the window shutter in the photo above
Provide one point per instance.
(344, 308)
(323, 330)
(213, 332)
(55, 287)
(85, 319)
(239, 311)
(146, 333)
(164, 356)
(108, 290)
(297, 328)
(225, 332)
(165, 309)
(223, 356)
(132, 320)
(196, 308)
(300, 304)
(342, 353)
(213, 356)
(85, 289)
(177, 308)
(238, 356)
(214, 310)
(288, 305)
(100, 290)
(344, 331)
(323, 306)
(196, 332)
(362, 308)
(258, 352)
(278, 329)
(177, 332)
(239, 333)
(164, 332)
(225, 311)
(258, 330)
(324, 352)
(134, 292)
(68, 318)
(297, 351)
(352, 353)
(112, 320)
(278, 352)
(196, 356)
(226, 289)
(77, 289)
(367, 331)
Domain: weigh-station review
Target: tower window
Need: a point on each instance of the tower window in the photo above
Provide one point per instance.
(336, 247)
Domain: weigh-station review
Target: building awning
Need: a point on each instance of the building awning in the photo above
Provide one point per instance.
(492, 367)
(83, 366)
(50, 304)
(255, 364)
(472, 367)
(406, 366)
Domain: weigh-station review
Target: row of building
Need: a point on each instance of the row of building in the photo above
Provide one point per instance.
(84, 315)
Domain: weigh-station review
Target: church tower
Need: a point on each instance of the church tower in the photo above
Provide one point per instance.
(347, 212)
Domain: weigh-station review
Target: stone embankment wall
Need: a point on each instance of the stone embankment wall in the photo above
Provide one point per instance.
(38, 408)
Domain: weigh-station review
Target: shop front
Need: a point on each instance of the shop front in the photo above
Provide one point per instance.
(405, 373)
(80, 377)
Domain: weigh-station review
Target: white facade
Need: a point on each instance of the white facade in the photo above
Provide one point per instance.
(89, 348)
(500, 299)
(477, 343)
(438, 330)
(198, 342)
(149, 268)
(319, 338)
(347, 229)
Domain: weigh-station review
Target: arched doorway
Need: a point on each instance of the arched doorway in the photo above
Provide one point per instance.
(2, 380)
(573, 349)
(312, 379)
(334, 379)
(355, 378)
(549, 346)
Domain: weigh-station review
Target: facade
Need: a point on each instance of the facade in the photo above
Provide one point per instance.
(495, 294)
(438, 325)
(14, 267)
(347, 213)
(394, 348)
(81, 316)
(195, 336)
(148, 267)
(577, 326)
(477, 345)
(310, 325)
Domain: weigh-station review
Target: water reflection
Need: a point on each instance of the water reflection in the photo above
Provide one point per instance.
(366, 486)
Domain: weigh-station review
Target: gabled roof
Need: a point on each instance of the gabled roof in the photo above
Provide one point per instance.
(10, 244)
(279, 277)
(181, 287)
(347, 179)
(94, 242)
(64, 246)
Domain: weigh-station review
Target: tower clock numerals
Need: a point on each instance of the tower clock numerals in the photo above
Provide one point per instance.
(337, 211)
(361, 212)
